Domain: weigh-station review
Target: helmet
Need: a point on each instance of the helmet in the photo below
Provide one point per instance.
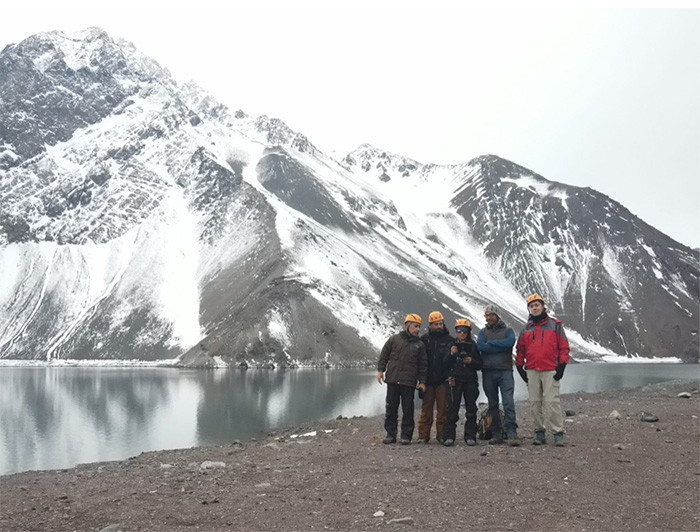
(435, 317)
(415, 318)
(534, 297)
(461, 322)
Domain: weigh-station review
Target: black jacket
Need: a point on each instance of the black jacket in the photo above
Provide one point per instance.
(438, 344)
(462, 371)
(403, 360)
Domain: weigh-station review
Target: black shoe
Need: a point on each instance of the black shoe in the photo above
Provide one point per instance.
(405, 441)
(389, 439)
(471, 442)
(448, 442)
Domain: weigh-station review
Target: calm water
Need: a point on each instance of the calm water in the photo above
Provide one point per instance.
(56, 417)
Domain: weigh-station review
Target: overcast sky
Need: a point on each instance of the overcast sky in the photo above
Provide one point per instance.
(601, 98)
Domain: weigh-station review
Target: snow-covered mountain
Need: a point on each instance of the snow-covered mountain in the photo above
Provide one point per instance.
(140, 218)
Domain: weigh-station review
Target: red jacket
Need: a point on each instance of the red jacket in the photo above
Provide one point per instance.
(542, 345)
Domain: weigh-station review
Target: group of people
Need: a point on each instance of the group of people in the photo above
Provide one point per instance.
(444, 370)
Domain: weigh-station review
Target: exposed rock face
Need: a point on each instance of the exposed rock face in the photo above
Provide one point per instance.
(140, 218)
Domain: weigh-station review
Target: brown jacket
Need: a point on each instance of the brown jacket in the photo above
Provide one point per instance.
(403, 360)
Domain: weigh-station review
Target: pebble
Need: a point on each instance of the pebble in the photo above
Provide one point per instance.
(619, 446)
(684, 395)
(484, 452)
(570, 413)
(401, 521)
(614, 415)
(378, 514)
(211, 465)
(648, 417)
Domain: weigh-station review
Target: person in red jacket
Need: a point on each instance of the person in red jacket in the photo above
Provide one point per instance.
(542, 352)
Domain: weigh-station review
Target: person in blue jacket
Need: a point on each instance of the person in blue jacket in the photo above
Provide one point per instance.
(495, 343)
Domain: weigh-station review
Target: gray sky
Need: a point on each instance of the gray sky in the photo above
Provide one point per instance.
(604, 98)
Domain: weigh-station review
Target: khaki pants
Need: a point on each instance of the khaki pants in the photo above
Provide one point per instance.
(434, 395)
(545, 407)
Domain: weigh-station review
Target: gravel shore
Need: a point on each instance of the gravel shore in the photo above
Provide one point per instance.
(617, 472)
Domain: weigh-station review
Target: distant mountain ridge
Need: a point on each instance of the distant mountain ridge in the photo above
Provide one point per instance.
(140, 218)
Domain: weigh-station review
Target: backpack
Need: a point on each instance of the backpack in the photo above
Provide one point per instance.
(483, 426)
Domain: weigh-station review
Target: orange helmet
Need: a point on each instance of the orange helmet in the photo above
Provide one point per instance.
(461, 322)
(534, 297)
(415, 318)
(435, 317)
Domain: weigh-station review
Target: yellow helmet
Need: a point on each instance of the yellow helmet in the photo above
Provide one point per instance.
(534, 297)
(415, 318)
(461, 322)
(435, 317)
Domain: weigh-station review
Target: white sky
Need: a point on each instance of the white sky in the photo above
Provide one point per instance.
(604, 98)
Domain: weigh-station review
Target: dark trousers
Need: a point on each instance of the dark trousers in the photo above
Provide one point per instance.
(469, 389)
(396, 393)
(493, 380)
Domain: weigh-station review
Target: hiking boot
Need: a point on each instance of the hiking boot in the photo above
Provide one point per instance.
(389, 439)
(448, 442)
(496, 441)
(471, 442)
(559, 439)
(514, 441)
(539, 438)
(405, 441)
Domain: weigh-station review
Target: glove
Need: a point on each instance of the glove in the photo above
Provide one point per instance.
(523, 373)
(559, 373)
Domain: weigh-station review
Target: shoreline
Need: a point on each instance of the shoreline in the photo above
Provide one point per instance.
(344, 479)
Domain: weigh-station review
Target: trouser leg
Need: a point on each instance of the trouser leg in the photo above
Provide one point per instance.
(490, 379)
(507, 389)
(407, 424)
(441, 398)
(471, 393)
(535, 392)
(453, 403)
(391, 417)
(425, 421)
(551, 405)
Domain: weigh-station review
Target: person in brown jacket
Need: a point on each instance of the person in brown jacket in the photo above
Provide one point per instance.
(402, 364)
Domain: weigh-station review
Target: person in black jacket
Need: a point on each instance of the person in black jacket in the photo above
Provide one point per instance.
(404, 360)
(437, 342)
(463, 382)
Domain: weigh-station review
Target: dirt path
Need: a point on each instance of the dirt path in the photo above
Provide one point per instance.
(621, 474)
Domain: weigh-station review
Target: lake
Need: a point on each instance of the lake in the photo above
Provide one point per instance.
(57, 417)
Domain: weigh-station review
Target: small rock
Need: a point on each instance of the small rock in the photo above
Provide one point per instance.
(684, 395)
(614, 415)
(211, 465)
(484, 452)
(570, 413)
(648, 417)
(618, 446)
(401, 521)
(378, 514)
(112, 528)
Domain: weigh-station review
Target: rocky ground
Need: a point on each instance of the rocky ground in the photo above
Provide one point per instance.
(617, 472)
